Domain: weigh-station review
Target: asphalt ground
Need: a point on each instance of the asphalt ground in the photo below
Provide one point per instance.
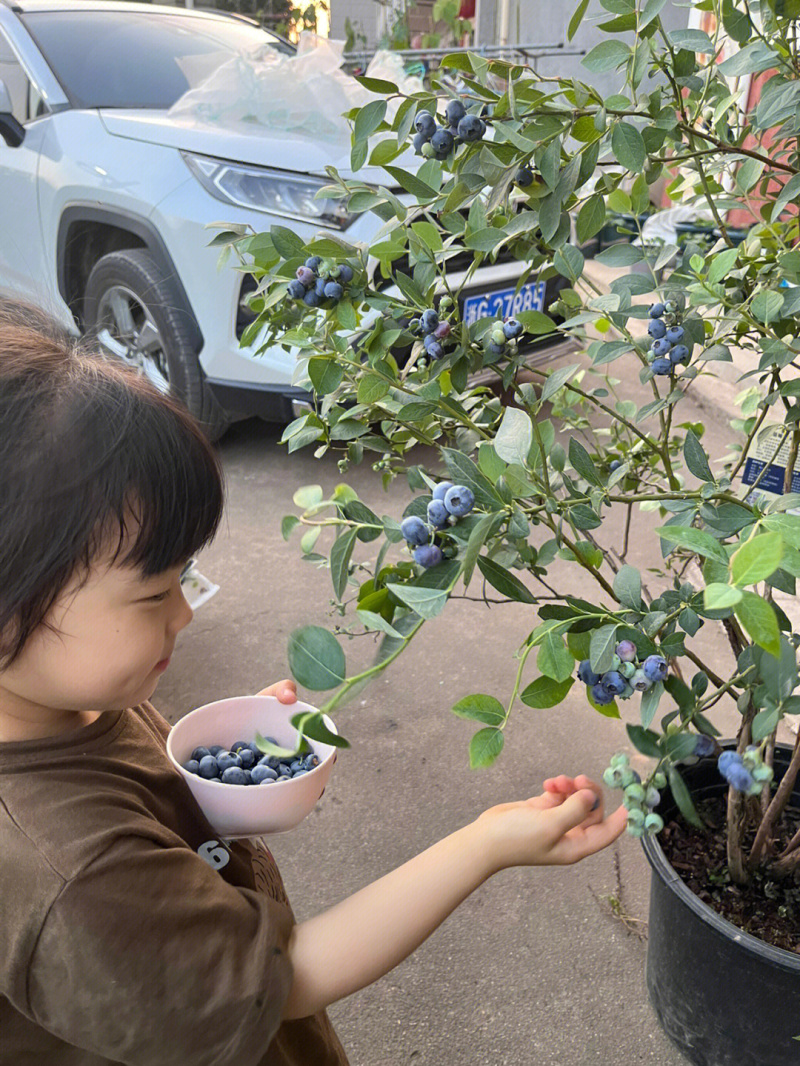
(542, 966)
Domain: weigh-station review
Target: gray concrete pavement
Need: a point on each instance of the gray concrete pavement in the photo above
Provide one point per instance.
(533, 968)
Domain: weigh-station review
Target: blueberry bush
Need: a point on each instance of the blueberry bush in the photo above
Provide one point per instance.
(543, 468)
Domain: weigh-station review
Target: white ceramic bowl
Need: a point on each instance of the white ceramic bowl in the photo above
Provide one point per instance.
(250, 810)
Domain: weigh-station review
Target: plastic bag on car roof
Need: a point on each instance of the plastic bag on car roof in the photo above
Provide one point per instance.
(301, 95)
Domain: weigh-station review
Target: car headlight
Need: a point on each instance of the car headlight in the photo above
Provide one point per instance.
(275, 192)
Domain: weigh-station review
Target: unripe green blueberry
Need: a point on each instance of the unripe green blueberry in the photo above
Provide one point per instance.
(636, 817)
(611, 778)
(660, 779)
(634, 795)
(615, 662)
(629, 777)
(653, 823)
(627, 670)
(634, 830)
(763, 773)
(619, 760)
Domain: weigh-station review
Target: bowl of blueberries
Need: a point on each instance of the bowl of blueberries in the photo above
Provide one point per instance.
(243, 790)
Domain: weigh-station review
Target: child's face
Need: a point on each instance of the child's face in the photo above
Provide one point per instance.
(113, 637)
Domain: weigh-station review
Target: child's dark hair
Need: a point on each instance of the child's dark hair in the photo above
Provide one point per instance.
(91, 456)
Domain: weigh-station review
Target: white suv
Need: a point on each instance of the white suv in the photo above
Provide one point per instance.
(106, 197)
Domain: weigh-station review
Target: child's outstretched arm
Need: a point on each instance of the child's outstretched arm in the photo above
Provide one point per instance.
(354, 943)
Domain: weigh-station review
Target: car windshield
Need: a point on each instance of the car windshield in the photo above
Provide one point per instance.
(138, 59)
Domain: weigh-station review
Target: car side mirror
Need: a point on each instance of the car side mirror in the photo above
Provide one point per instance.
(10, 129)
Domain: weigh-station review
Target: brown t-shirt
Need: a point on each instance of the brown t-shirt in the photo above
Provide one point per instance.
(129, 933)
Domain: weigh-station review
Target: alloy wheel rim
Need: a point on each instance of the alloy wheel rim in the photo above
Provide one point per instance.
(126, 330)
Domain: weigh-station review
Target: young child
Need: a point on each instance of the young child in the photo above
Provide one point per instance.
(128, 933)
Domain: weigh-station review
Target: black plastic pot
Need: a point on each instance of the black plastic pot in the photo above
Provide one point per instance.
(723, 997)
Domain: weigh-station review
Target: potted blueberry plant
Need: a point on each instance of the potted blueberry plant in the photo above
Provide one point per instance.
(531, 463)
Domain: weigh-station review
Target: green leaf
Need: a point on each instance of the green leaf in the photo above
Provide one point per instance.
(545, 692)
(628, 587)
(628, 146)
(557, 380)
(569, 262)
(316, 659)
(695, 540)
(536, 322)
(480, 708)
(757, 559)
(751, 59)
(692, 40)
(722, 264)
(735, 22)
(682, 797)
(368, 119)
(427, 602)
(376, 621)
(606, 56)
(463, 471)
(718, 596)
(760, 622)
(514, 436)
(764, 723)
(484, 240)
(649, 705)
(788, 195)
(376, 85)
(411, 183)
(308, 496)
(591, 218)
(644, 740)
(312, 725)
(766, 306)
(504, 581)
(582, 462)
(326, 375)
(577, 19)
(485, 746)
(553, 658)
(620, 255)
(289, 522)
(287, 244)
(601, 648)
(696, 458)
(341, 552)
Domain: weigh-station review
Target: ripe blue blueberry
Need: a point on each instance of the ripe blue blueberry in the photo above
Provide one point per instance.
(200, 753)
(471, 128)
(311, 299)
(727, 760)
(296, 289)
(414, 531)
(586, 674)
(495, 349)
(333, 290)
(419, 140)
(442, 142)
(437, 513)
(433, 347)
(319, 287)
(208, 767)
(428, 555)
(740, 778)
(656, 329)
(345, 274)
(459, 500)
(425, 124)
(613, 682)
(262, 773)
(679, 354)
(524, 177)
(313, 262)
(310, 761)
(660, 347)
(226, 759)
(655, 667)
(599, 695)
(299, 773)
(192, 766)
(429, 320)
(703, 746)
(661, 366)
(640, 681)
(512, 328)
(283, 770)
(626, 650)
(440, 491)
(215, 749)
(455, 111)
(239, 745)
(615, 464)
(234, 775)
(675, 334)
(248, 758)
(656, 310)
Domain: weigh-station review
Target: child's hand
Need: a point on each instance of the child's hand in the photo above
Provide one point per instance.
(286, 691)
(560, 827)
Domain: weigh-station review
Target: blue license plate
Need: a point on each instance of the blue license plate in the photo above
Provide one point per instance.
(504, 302)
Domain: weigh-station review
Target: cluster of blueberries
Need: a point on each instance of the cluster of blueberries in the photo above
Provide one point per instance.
(502, 337)
(246, 764)
(320, 283)
(437, 142)
(667, 349)
(639, 801)
(433, 330)
(449, 503)
(625, 676)
(746, 773)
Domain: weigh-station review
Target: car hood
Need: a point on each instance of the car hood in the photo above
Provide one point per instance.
(259, 147)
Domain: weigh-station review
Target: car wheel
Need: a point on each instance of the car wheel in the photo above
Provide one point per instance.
(131, 310)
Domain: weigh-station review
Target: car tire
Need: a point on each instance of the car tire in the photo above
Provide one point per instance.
(132, 311)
